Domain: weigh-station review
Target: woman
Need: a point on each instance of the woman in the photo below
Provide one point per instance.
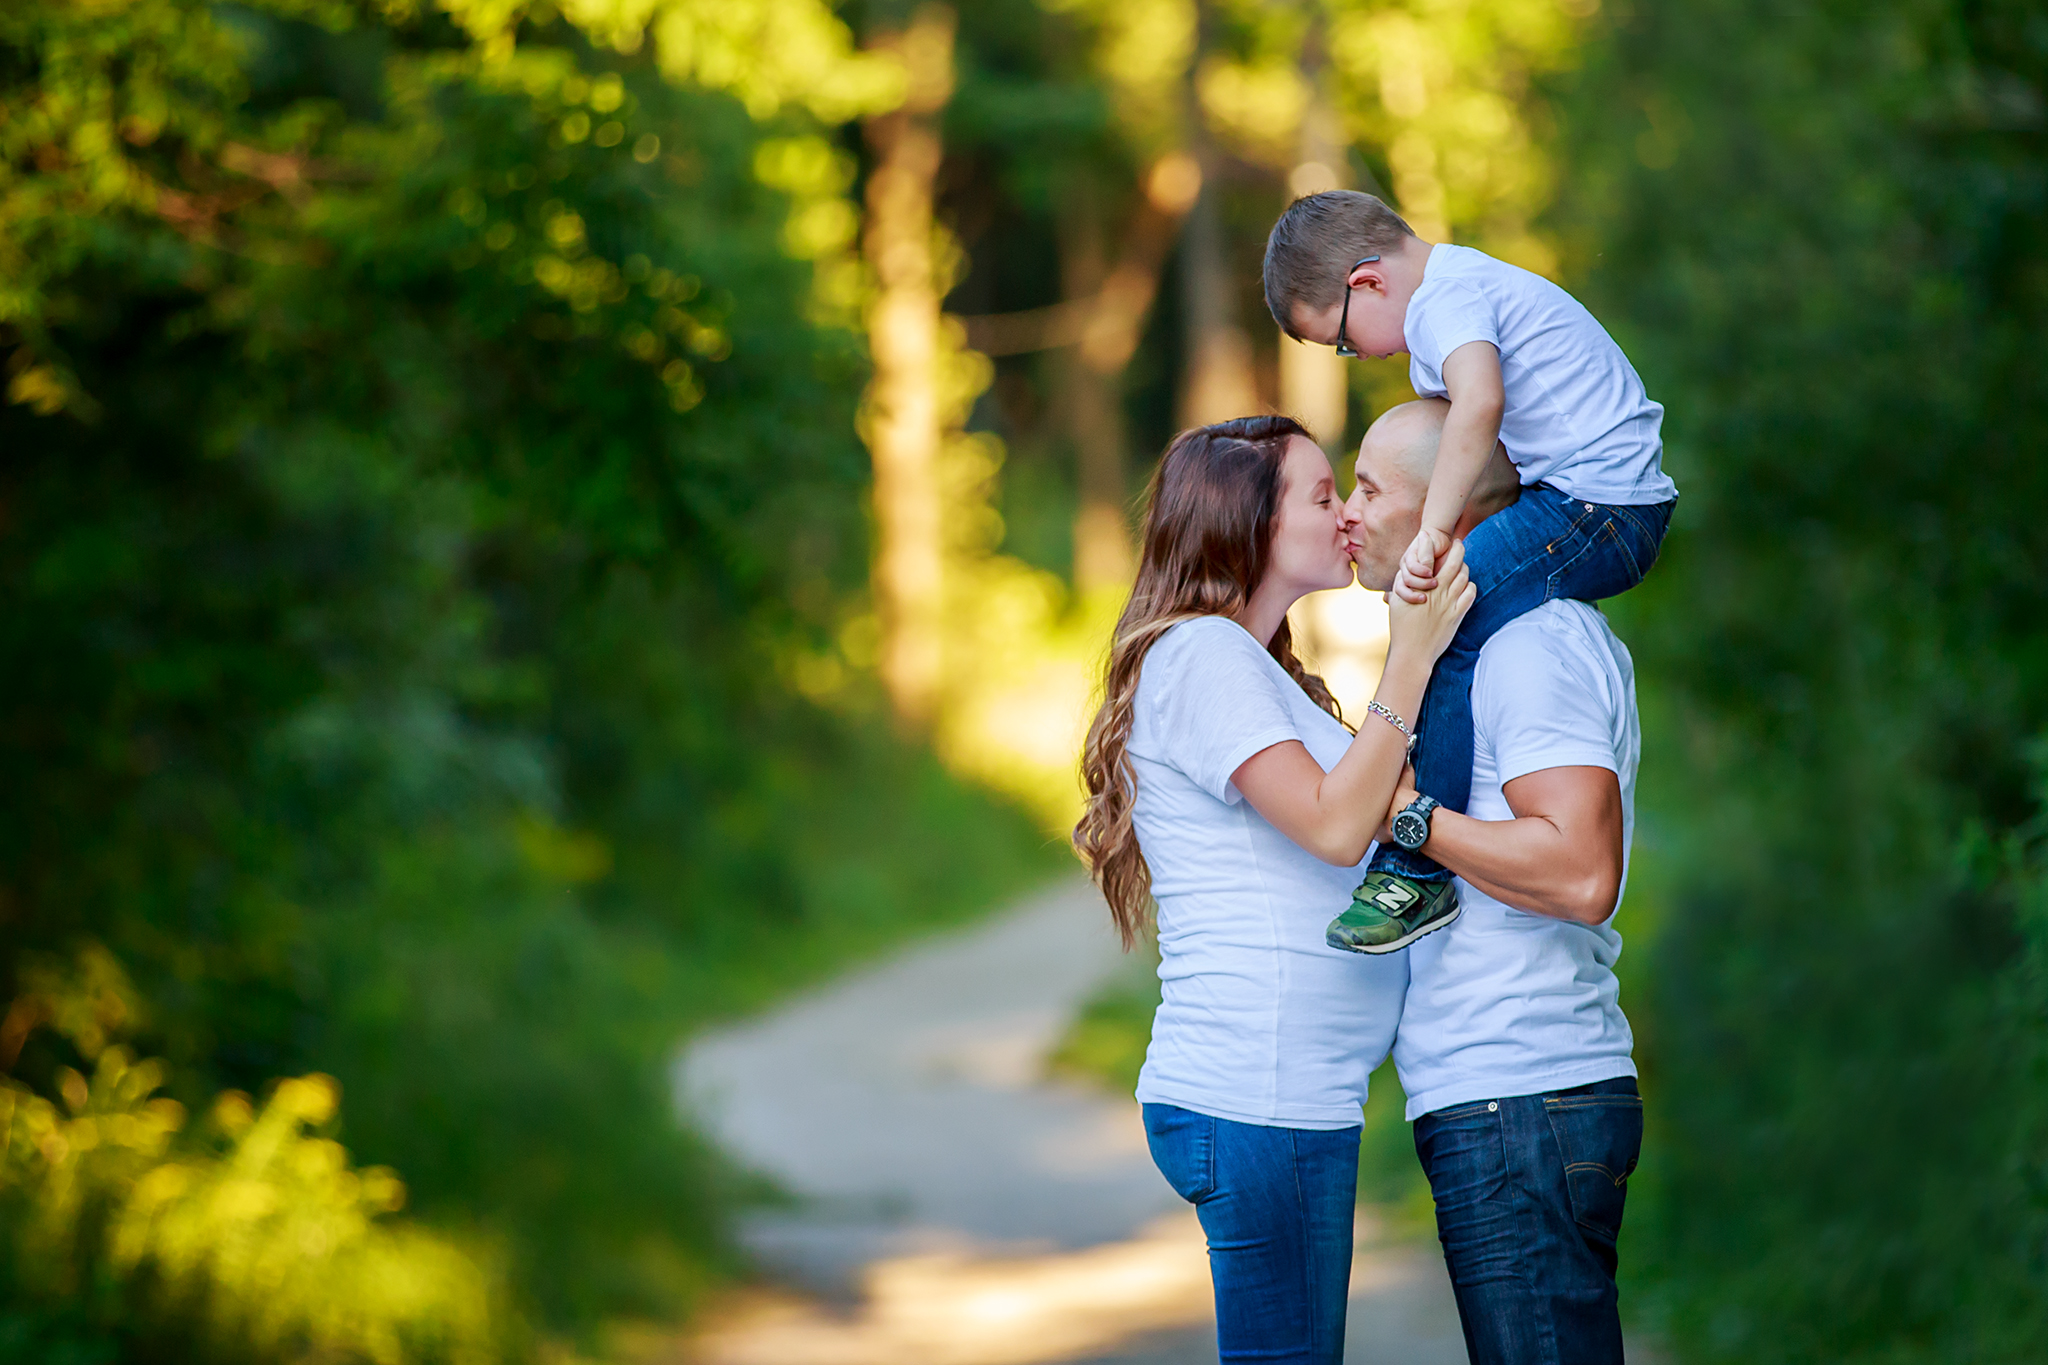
(1223, 787)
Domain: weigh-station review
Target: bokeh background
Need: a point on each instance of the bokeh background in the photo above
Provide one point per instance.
(530, 527)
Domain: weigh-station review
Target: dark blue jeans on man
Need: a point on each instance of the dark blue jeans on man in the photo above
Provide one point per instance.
(1529, 1192)
(1544, 547)
(1276, 1205)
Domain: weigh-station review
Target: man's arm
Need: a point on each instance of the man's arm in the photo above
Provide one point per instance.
(1471, 429)
(1560, 856)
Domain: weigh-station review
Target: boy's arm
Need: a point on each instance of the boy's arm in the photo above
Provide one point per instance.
(1472, 379)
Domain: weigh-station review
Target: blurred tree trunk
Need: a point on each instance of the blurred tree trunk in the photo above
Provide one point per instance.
(1218, 383)
(1094, 411)
(1102, 319)
(1120, 301)
(903, 417)
(1312, 378)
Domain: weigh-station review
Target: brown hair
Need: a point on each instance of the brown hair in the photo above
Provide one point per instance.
(1315, 244)
(1208, 536)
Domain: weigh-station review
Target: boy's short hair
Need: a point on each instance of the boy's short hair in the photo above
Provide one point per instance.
(1317, 241)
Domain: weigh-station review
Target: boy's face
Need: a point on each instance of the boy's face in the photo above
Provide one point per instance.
(1373, 321)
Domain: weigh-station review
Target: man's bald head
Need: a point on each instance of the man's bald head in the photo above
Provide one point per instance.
(1406, 438)
(1394, 464)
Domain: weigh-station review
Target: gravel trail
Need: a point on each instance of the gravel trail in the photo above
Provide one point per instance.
(952, 1206)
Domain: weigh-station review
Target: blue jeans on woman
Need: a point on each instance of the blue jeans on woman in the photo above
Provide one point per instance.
(1529, 1192)
(1276, 1206)
(1542, 547)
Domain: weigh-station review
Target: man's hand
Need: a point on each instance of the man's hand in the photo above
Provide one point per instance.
(1417, 574)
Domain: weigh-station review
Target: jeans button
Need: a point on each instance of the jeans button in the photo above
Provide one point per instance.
(1493, 1106)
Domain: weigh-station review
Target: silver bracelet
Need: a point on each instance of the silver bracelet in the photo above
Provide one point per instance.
(1390, 718)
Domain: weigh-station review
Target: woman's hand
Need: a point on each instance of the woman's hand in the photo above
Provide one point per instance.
(1420, 631)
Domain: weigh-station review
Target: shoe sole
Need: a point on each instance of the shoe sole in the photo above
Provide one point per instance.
(1418, 932)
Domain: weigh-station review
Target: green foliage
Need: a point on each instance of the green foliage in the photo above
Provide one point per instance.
(1822, 233)
(421, 462)
(249, 1240)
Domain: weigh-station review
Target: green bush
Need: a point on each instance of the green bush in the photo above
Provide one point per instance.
(124, 1234)
(1822, 233)
(407, 506)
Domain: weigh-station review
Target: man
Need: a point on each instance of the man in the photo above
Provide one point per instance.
(1512, 1047)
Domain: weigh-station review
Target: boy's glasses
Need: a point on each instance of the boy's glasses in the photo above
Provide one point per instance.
(1344, 346)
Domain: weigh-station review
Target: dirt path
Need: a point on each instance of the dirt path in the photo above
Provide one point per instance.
(954, 1208)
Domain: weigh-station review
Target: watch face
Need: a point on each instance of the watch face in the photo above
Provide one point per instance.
(1410, 830)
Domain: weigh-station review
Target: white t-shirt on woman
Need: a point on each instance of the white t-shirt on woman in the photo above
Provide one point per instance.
(1261, 1021)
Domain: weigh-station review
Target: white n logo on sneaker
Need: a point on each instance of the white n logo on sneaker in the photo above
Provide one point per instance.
(1395, 898)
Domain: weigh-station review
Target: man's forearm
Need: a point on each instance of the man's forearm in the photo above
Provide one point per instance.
(1560, 856)
(1529, 863)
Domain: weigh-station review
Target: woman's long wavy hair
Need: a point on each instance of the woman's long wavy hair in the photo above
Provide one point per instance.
(1208, 536)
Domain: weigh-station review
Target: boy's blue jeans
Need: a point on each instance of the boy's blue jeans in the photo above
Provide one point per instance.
(1529, 1193)
(1543, 547)
(1276, 1205)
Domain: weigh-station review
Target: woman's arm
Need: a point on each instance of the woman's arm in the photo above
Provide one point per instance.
(1336, 815)
(1560, 856)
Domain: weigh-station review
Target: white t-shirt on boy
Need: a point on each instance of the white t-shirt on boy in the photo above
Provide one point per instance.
(1506, 1002)
(1261, 1021)
(1576, 415)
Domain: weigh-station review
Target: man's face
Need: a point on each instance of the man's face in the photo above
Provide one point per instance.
(1386, 507)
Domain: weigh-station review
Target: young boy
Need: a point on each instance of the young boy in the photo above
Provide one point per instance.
(1522, 363)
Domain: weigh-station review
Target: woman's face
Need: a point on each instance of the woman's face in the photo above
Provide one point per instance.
(1311, 534)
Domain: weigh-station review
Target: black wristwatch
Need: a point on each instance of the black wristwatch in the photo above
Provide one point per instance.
(1410, 826)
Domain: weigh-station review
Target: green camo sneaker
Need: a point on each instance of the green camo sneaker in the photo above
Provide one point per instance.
(1389, 912)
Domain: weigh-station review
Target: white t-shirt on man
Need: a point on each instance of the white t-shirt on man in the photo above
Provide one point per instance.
(1261, 1021)
(1505, 1002)
(1576, 415)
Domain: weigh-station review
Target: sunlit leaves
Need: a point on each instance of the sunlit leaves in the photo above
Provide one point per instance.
(771, 54)
(1441, 89)
(259, 1242)
(1436, 91)
(1257, 104)
(1142, 50)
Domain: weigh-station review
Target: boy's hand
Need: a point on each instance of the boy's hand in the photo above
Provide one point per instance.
(1417, 575)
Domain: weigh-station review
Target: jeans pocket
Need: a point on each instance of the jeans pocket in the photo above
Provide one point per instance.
(1600, 1137)
(1605, 562)
(1642, 530)
(1183, 1147)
